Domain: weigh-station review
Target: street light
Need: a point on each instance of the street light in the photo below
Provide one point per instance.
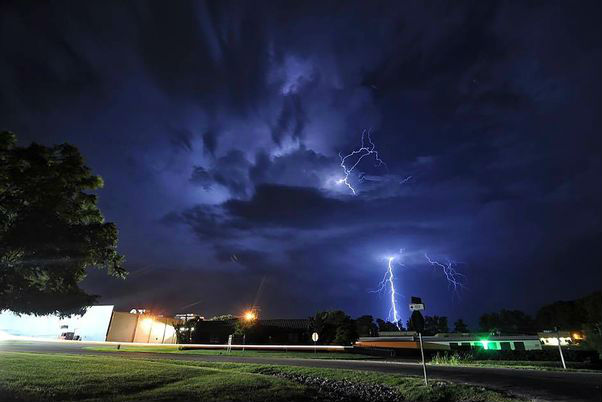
(250, 315)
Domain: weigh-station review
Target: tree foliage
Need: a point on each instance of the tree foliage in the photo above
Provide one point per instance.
(432, 325)
(223, 317)
(460, 326)
(244, 327)
(51, 230)
(365, 326)
(435, 324)
(573, 314)
(508, 322)
(584, 314)
(387, 326)
(334, 327)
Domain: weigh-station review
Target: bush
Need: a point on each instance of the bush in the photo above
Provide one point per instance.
(451, 359)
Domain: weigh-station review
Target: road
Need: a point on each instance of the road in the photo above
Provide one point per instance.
(539, 385)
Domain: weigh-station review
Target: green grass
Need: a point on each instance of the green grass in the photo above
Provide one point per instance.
(50, 377)
(238, 353)
(45, 377)
(463, 361)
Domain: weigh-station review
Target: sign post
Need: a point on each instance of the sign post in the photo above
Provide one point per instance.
(314, 337)
(423, 363)
(417, 320)
(560, 348)
(229, 343)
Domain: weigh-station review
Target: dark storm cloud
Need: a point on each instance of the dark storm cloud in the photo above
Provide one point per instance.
(301, 167)
(291, 120)
(201, 177)
(181, 139)
(203, 50)
(217, 127)
(210, 140)
(230, 171)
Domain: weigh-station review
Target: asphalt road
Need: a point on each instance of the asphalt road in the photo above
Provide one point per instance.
(538, 385)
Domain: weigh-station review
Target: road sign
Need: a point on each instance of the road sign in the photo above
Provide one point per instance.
(417, 321)
(416, 306)
(314, 337)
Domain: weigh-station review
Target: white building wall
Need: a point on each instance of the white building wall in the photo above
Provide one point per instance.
(92, 326)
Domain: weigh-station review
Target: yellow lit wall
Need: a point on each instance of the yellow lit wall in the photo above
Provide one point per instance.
(126, 327)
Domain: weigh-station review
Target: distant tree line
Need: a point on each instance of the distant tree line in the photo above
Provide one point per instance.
(581, 314)
(584, 313)
(338, 328)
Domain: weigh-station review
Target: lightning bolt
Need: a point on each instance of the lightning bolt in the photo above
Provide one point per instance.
(389, 281)
(355, 157)
(392, 285)
(349, 163)
(453, 277)
(405, 180)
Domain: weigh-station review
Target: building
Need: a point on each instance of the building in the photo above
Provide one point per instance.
(99, 323)
(451, 341)
(92, 326)
(141, 328)
(566, 338)
(189, 316)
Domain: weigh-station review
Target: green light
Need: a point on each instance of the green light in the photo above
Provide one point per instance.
(485, 343)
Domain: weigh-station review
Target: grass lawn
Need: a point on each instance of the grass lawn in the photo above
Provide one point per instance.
(55, 377)
(528, 365)
(239, 353)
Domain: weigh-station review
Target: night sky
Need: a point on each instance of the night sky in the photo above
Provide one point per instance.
(217, 128)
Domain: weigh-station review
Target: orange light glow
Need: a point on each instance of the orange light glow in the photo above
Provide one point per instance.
(250, 316)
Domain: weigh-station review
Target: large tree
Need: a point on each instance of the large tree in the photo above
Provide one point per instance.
(435, 324)
(572, 314)
(365, 326)
(460, 326)
(51, 230)
(334, 327)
